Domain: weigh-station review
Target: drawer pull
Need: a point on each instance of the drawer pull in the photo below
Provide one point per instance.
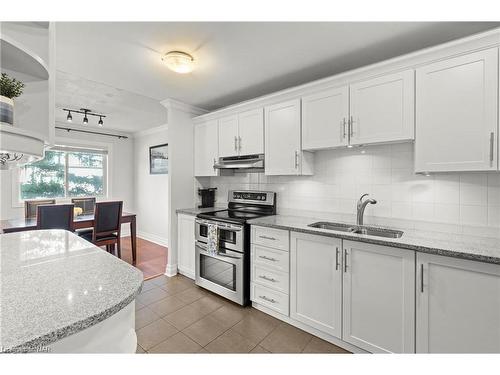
(268, 238)
(268, 278)
(267, 299)
(267, 258)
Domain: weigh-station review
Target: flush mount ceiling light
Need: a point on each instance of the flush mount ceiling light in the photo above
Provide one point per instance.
(85, 112)
(179, 62)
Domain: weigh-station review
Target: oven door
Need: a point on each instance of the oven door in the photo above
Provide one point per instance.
(221, 273)
(230, 235)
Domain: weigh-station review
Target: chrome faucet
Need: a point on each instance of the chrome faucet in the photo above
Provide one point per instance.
(361, 208)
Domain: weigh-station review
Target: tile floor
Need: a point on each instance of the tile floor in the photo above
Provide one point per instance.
(173, 315)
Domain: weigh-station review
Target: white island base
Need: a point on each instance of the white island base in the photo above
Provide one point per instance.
(115, 334)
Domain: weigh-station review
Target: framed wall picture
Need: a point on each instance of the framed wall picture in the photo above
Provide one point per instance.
(158, 159)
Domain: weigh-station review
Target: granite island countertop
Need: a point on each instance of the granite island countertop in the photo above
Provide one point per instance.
(484, 249)
(55, 284)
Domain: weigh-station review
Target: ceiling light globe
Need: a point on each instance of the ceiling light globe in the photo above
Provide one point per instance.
(179, 62)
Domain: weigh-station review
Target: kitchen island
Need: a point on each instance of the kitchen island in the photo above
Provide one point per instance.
(60, 293)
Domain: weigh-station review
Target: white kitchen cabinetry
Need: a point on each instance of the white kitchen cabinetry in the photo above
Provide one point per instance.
(206, 149)
(186, 245)
(325, 118)
(458, 305)
(382, 109)
(270, 259)
(242, 134)
(316, 282)
(284, 155)
(456, 114)
(379, 298)
(228, 136)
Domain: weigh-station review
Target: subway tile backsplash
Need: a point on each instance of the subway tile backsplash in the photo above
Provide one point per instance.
(386, 173)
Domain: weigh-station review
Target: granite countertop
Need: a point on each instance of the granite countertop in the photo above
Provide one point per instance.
(196, 211)
(484, 249)
(55, 284)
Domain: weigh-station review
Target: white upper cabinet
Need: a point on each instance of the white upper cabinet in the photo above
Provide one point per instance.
(242, 134)
(228, 136)
(325, 119)
(458, 305)
(382, 109)
(205, 148)
(251, 132)
(316, 282)
(456, 114)
(379, 298)
(283, 154)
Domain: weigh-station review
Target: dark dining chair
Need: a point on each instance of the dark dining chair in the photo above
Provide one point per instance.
(86, 204)
(30, 206)
(107, 226)
(55, 216)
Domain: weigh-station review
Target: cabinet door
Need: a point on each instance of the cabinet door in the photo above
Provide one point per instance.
(316, 282)
(205, 148)
(458, 305)
(379, 298)
(228, 136)
(456, 114)
(324, 119)
(382, 109)
(282, 138)
(251, 132)
(186, 242)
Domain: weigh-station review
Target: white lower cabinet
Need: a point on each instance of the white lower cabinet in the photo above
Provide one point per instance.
(458, 305)
(379, 298)
(316, 282)
(186, 245)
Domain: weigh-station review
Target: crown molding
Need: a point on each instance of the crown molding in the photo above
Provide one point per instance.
(184, 107)
(156, 129)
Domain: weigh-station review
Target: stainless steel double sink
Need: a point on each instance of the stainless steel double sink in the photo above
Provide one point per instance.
(370, 231)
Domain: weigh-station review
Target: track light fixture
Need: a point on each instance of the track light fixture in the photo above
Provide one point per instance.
(85, 112)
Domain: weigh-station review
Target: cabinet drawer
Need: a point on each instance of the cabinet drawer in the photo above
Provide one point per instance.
(275, 238)
(273, 279)
(270, 298)
(272, 258)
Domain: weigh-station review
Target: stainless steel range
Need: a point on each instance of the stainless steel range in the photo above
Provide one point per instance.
(226, 271)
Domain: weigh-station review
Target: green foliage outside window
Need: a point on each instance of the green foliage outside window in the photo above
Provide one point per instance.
(64, 174)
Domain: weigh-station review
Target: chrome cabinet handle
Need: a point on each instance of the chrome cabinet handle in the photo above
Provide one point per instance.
(267, 258)
(264, 277)
(235, 143)
(351, 127)
(268, 238)
(296, 159)
(337, 264)
(267, 299)
(239, 143)
(492, 143)
(215, 162)
(345, 260)
(421, 278)
(343, 129)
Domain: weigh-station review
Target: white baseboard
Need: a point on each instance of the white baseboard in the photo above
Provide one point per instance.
(171, 270)
(153, 238)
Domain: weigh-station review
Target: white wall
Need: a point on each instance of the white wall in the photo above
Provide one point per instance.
(457, 200)
(150, 190)
(120, 169)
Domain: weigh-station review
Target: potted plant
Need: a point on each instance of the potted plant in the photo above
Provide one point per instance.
(10, 88)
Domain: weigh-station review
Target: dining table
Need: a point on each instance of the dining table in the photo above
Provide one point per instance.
(80, 222)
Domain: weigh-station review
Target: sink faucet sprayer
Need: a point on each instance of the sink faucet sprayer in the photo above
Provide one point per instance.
(361, 208)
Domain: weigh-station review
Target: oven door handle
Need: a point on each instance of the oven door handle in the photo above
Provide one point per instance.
(204, 251)
(233, 228)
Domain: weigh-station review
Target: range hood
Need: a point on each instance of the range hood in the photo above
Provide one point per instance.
(243, 164)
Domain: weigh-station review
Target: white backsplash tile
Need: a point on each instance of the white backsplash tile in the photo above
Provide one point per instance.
(443, 200)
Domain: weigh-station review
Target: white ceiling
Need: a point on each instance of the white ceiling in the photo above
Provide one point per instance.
(234, 61)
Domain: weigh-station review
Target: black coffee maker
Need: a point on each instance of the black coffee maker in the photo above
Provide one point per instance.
(207, 197)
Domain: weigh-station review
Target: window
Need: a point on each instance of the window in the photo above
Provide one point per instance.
(65, 172)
